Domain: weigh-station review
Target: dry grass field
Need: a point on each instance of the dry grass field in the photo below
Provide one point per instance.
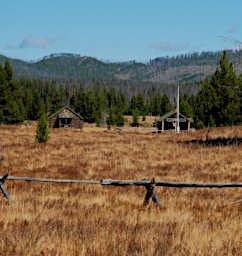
(77, 219)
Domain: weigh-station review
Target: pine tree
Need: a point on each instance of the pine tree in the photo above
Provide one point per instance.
(4, 94)
(8, 70)
(28, 101)
(206, 107)
(112, 98)
(135, 117)
(140, 103)
(56, 102)
(148, 106)
(42, 134)
(119, 119)
(2, 75)
(100, 99)
(132, 105)
(225, 82)
(240, 99)
(165, 105)
(111, 120)
(218, 102)
(155, 104)
(121, 102)
(37, 106)
(77, 101)
(185, 107)
(89, 107)
(11, 97)
(16, 96)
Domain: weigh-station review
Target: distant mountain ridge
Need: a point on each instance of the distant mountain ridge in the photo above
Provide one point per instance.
(182, 68)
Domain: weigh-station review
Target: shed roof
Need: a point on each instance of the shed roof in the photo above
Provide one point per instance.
(172, 113)
(65, 107)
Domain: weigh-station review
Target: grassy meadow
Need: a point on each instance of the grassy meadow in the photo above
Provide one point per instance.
(77, 219)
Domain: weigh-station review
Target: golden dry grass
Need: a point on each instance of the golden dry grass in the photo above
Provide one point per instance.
(76, 219)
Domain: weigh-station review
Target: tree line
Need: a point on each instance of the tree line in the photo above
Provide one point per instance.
(215, 102)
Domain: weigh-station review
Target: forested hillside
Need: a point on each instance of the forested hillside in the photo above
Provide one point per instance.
(215, 101)
(168, 70)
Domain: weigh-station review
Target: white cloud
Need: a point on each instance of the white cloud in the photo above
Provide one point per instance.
(35, 42)
(30, 41)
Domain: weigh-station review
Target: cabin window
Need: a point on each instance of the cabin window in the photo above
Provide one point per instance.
(66, 122)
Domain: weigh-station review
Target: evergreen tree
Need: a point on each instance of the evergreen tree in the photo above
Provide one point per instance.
(140, 103)
(225, 82)
(17, 95)
(206, 107)
(185, 107)
(37, 106)
(4, 94)
(8, 71)
(12, 113)
(11, 97)
(89, 108)
(84, 103)
(135, 117)
(112, 99)
(28, 101)
(240, 99)
(119, 119)
(148, 107)
(165, 105)
(111, 120)
(42, 134)
(155, 104)
(121, 102)
(133, 104)
(2, 75)
(101, 104)
(77, 100)
(55, 102)
(218, 103)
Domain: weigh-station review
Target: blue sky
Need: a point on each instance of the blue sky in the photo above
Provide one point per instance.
(118, 30)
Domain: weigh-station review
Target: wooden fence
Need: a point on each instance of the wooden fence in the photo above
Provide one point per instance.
(149, 185)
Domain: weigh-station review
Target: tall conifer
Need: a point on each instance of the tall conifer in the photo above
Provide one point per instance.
(11, 97)
(165, 105)
(42, 134)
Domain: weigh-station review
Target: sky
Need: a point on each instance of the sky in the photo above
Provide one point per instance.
(113, 30)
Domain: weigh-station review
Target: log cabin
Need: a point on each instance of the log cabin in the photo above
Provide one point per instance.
(65, 118)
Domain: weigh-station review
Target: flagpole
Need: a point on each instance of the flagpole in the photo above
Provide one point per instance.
(178, 113)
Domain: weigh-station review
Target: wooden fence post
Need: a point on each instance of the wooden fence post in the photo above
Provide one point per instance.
(3, 189)
(150, 193)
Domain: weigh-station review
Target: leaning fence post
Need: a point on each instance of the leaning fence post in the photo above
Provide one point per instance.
(3, 189)
(150, 193)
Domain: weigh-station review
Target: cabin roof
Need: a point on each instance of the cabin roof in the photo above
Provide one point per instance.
(65, 107)
(172, 113)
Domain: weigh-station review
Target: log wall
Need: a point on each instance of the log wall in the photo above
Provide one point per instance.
(54, 121)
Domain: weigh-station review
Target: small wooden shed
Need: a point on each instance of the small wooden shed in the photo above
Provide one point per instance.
(65, 118)
(168, 122)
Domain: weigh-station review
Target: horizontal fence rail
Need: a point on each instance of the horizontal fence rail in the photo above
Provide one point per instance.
(130, 182)
(149, 185)
(52, 180)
